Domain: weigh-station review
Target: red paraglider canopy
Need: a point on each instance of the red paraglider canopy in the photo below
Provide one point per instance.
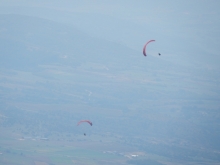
(82, 121)
(144, 48)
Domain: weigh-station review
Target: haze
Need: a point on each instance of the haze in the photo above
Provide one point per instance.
(62, 62)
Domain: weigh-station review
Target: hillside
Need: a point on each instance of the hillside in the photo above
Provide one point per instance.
(52, 75)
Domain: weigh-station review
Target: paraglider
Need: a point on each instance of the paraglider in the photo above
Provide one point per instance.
(159, 54)
(82, 121)
(144, 48)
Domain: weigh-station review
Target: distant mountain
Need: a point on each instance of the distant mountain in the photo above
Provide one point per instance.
(33, 41)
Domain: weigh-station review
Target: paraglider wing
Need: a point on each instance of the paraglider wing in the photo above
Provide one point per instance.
(144, 48)
(82, 121)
